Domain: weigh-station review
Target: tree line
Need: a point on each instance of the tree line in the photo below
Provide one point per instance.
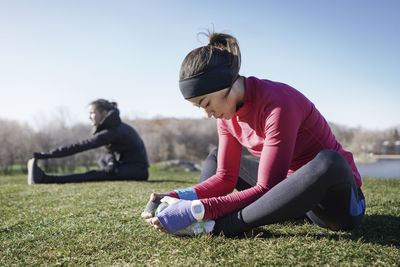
(164, 138)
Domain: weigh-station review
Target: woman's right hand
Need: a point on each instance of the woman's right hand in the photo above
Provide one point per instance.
(151, 206)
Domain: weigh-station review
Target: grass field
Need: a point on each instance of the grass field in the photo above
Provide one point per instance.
(100, 224)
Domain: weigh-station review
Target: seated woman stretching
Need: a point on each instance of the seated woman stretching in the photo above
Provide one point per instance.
(125, 159)
(302, 171)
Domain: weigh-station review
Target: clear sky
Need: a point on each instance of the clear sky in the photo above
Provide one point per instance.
(59, 55)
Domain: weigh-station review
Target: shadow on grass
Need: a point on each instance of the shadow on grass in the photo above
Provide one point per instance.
(379, 229)
(376, 229)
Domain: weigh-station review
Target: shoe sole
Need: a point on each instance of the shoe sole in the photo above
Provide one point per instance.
(30, 171)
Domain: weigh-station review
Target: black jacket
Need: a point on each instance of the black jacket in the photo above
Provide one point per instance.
(120, 139)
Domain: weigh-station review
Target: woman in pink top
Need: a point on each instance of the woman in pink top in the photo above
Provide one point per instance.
(302, 170)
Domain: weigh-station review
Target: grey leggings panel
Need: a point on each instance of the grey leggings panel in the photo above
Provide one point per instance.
(324, 189)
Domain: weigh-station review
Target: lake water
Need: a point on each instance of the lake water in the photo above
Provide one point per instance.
(383, 168)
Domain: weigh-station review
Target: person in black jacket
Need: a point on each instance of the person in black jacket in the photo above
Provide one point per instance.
(125, 159)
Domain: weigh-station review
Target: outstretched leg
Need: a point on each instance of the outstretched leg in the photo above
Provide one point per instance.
(122, 172)
(324, 188)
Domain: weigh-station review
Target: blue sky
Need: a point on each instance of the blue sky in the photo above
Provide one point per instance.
(59, 55)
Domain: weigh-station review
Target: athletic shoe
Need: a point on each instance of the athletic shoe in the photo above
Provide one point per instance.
(151, 207)
(35, 174)
(197, 228)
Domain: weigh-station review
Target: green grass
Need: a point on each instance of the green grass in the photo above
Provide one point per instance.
(100, 224)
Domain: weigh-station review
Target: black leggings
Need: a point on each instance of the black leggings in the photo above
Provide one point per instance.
(324, 190)
(122, 172)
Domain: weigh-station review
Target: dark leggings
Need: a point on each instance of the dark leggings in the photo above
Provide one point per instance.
(324, 190)
(122, 172)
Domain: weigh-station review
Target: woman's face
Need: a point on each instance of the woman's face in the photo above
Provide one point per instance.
(96, 116)
(221, 104)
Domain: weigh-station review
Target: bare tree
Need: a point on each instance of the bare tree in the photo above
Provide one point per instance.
(167, 139)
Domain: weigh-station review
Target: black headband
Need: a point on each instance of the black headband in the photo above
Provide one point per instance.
(206, 82)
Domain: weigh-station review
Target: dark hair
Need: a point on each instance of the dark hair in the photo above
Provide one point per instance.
(102, 104)
(221, 48)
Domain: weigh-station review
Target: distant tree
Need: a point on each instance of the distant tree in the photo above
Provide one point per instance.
(343, 133)
(396, 135)
(15, 145)
(166, 138)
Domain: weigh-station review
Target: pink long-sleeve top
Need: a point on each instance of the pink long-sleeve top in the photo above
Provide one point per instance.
(279, 125)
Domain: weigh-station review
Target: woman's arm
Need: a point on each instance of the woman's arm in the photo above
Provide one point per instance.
(102, 138)
(280, 131)
(225, 179)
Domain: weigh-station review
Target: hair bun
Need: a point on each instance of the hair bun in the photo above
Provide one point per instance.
(103, 104)
(218, 40)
